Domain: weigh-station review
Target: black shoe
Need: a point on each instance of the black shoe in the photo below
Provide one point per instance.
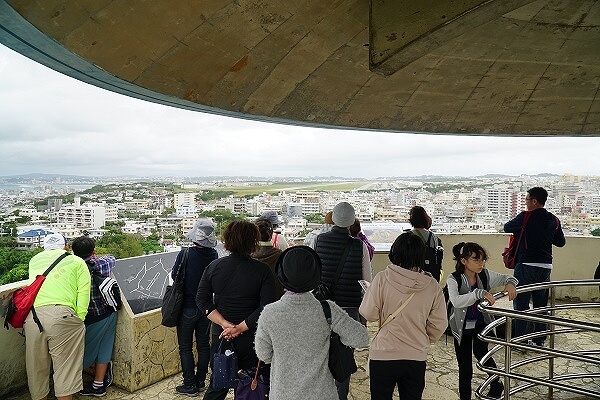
(92, 391)
(496, 389)
(108, 377)
(187, 390)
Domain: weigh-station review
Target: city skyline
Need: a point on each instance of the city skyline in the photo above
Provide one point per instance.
(57, 125)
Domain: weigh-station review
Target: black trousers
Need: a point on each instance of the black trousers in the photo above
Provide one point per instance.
(469, 344)
(385, 375)
(343, 388)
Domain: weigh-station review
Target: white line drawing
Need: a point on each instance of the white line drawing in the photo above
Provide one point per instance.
(150, 280)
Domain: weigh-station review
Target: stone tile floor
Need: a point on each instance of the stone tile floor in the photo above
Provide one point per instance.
(441, 376)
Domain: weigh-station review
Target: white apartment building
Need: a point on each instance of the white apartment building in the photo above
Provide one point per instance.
(180, 199)
(499, 202)
(295, 225)
(186, 211)
(252, 207)
(136, 205)
(111, 212)
(592, 204)
(131, 227)
(28, 212)
(82, 216)
(304, 196)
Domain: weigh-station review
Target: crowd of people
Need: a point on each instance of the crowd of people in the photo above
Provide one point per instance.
(259, 298)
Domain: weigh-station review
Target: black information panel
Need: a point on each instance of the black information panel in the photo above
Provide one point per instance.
(143, 279)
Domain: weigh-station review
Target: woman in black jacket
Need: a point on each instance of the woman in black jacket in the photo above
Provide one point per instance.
(192, 320)
(232, 293)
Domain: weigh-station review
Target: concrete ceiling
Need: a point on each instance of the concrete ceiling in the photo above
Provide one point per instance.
(505, 67)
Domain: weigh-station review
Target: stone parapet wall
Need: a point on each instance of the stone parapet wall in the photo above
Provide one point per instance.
(145, 351)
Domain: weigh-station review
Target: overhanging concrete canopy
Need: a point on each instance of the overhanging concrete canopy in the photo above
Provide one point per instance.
(506, 67)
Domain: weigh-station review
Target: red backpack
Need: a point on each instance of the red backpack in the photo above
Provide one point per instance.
(22, 300)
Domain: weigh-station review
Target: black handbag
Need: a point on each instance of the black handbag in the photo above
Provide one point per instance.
(173, 298)
(253, 384)
(225, 366)
(341, 357)
(324, 292)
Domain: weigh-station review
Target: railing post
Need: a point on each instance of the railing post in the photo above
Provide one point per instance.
(551, 341)
(507, 356)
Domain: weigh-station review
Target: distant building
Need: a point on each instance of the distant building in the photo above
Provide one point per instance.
(180, 199)
(111, 213)
(187, 224)
(96, 233)
(32, 239)
(186, 211)
(500, 202)
(82, 216)
(54, 204)
(295, 210)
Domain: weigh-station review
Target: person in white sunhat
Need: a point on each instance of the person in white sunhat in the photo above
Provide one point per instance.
(55, 337)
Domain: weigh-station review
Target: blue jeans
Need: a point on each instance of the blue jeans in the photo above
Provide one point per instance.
(193, 321)
(527, 274)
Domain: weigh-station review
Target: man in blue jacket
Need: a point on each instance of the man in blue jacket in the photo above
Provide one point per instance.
(534, 255)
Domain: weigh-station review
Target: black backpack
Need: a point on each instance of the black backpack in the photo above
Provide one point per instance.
(483, 276)
(433, 255)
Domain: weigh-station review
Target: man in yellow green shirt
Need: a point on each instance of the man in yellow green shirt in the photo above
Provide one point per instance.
(61, 306)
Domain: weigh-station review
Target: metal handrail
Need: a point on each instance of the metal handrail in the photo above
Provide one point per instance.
(557, 326)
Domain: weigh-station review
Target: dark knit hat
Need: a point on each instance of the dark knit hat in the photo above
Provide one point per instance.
(299, 269)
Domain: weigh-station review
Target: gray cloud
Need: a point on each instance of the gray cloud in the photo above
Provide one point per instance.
(53, 123)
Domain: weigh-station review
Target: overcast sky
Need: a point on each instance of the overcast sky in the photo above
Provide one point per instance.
(52, 123)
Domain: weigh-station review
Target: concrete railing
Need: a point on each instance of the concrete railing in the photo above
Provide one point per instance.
(146, 352)
(577, 260)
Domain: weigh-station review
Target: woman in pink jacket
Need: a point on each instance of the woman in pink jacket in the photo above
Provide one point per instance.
(409, 305)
